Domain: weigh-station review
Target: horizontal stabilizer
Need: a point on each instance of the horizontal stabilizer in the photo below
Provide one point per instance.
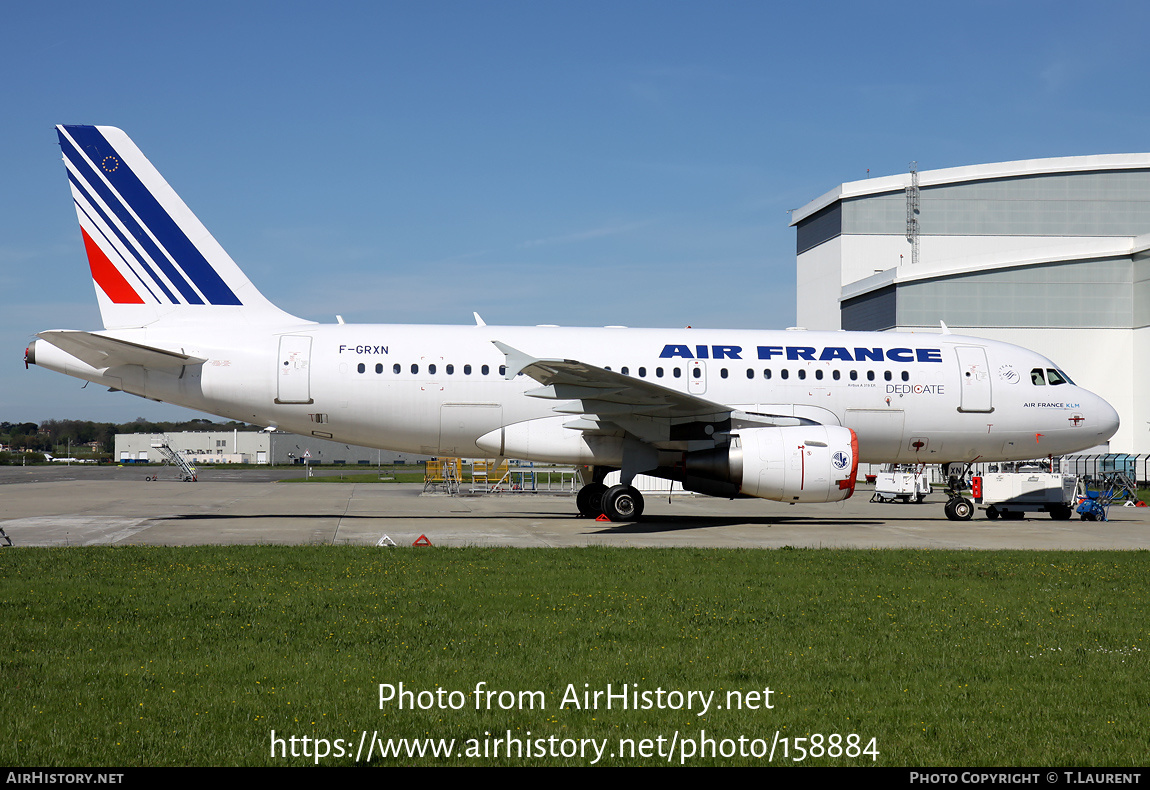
(105, 352)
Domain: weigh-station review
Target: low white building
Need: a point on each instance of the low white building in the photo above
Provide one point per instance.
(252, 447)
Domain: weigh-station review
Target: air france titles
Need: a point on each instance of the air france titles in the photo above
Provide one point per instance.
(807, 353)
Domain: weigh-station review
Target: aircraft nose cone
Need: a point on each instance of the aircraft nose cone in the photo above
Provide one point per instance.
(1107, 419)
(1100, 418)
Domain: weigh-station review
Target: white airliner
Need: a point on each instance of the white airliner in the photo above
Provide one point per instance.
(783, 415)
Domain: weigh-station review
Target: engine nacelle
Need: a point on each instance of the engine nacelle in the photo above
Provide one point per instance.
(803, 463)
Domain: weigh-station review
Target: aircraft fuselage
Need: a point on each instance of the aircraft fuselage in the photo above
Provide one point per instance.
(438, 390)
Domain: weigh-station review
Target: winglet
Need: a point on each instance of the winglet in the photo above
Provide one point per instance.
(945, 328)
(479, 321)
(516, 359)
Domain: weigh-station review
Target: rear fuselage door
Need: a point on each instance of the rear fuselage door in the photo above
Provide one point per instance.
(294, 363)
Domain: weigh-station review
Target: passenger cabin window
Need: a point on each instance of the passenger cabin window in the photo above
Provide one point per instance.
(361, 367)
(642, 373)
(450, 369)
(378, 367)
(750, 373)
(485, 370)
(395, 368)
(697, 372)
(466, 370)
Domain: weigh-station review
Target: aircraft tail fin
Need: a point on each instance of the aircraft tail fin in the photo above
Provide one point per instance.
(151, 259)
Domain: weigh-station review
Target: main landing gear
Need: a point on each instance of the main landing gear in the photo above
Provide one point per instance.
(618, 503)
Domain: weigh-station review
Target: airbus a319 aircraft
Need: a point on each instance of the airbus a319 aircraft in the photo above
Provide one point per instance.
(783, 415)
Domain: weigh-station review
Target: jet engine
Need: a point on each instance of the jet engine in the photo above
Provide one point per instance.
(804, 463)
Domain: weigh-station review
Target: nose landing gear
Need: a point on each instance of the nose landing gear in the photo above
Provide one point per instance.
(957, 507)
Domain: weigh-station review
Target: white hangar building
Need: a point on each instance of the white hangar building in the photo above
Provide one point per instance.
(1050, 254)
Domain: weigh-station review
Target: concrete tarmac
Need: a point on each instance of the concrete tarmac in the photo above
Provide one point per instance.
(62, 506)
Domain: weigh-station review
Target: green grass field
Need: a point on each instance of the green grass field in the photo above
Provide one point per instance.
(193, 656)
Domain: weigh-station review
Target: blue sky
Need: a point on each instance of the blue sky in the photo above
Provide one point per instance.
(581, 163)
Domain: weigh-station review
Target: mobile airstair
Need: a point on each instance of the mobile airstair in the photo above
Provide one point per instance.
(175, 458)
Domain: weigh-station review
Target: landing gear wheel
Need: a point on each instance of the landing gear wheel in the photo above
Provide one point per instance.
(622, 503)
(958, 509)
(963, 510)
(589, 500)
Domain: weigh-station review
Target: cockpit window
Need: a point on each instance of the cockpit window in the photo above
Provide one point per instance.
(1037, 377)
(1057, 377)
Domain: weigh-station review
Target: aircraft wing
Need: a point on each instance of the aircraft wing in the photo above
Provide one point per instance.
(607, 402)
(605, 391)
(100, 351)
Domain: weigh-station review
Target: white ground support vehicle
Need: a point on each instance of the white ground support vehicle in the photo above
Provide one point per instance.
(906, 482)
(1013, 494)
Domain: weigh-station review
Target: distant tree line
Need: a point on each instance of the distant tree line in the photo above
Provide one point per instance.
(57, 436)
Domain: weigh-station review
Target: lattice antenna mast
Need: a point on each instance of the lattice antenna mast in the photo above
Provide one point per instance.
(912, 213)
